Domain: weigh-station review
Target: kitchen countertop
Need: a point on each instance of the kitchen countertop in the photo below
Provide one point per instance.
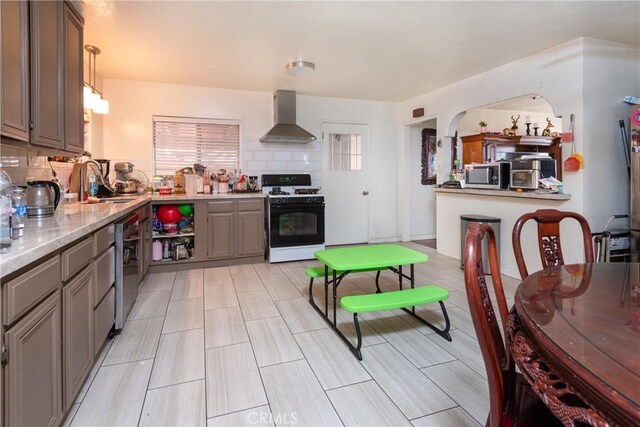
(74, 220)
(506, 193)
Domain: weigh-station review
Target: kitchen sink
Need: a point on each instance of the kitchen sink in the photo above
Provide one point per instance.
(115, 200)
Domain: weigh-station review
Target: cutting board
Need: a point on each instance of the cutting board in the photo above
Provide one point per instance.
(74, 179)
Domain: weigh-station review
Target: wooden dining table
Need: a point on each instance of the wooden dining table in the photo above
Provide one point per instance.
(575, 335)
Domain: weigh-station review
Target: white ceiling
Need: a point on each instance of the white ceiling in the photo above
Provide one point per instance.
(384, 50)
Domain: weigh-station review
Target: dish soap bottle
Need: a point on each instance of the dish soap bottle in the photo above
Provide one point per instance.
(93, 186)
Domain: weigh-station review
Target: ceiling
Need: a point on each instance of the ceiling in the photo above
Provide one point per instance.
(382, 50)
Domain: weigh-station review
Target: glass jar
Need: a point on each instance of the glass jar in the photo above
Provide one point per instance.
(5, 212)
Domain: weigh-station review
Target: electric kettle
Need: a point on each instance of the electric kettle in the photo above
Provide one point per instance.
(42, 198)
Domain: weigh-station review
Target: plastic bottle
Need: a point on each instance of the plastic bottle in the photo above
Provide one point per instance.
(5, 212)
(19, 219)
(93, 186)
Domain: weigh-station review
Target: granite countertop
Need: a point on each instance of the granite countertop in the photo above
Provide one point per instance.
(506, 193)
(75, 220)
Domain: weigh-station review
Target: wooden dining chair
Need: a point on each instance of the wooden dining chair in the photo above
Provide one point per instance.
(548, 221)
(512, 402)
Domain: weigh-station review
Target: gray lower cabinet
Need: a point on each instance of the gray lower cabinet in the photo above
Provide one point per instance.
(77, 332)
(235, 228)
(33, 373)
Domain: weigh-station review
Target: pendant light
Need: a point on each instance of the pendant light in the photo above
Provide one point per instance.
(92, 96)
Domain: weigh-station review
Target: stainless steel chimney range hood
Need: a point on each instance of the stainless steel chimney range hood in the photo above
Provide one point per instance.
(284, 113)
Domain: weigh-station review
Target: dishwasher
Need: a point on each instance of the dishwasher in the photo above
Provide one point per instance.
(132, 261)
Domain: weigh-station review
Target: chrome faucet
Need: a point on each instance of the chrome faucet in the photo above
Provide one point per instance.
(83, 168)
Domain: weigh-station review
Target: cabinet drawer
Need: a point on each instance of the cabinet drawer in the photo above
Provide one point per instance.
(105, 274)
(75, 258)
(104, 317)
(102, 239)
(25, 291)
(222, 206)
(250, 205)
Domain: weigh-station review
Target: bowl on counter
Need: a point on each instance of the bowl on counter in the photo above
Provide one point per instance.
(165, 190)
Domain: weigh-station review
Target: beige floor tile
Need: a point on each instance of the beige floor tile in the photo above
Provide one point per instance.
(461, 319)
(187, 289)
(456, 417)
(257, 305)
(155, 282)
(260, 416)
(331, 360)
(347, 327)
(224, 326)
(281, 289)
(412, 344)
(116, 396)
(217, 276)
(178, 405)
(463, 348)
(300, 316)
(149, 305)
(233, 380)
(137, 341)
(464, 385)
(180, 358)
(365, 404)
(294, 391)
(94, 371)
(245, 278)
(413, 393)
(220, 296)
(183, 315)
(272, 341)
(195, 273)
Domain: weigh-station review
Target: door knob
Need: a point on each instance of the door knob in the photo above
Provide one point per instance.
(365, 193)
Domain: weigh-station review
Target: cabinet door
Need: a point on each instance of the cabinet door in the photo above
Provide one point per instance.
(77, 336)
(145, 247)
(15, 70)
(220, 232)
(33, 374)
(250, 233)
(73, 72)
(47, 95)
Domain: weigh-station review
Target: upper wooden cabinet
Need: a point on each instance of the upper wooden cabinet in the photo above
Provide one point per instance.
(15, 70)
(42, 49)
(475, 148)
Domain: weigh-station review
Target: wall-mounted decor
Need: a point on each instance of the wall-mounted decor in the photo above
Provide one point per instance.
(429, 144)
(418, 112)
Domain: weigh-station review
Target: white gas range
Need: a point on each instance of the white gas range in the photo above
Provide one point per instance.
(295, 217)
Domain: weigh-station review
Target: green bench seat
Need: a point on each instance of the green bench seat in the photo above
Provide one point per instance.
(405, 299)
(393, 300)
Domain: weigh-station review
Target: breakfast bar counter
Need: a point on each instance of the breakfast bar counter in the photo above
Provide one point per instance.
(505, 193)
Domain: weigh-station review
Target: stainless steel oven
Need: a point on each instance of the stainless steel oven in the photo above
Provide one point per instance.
(295, 222)
(132, 235)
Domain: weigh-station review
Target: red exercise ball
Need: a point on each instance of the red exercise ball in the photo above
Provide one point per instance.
(168, 214)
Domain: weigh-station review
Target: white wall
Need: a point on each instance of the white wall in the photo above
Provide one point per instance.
(561, 75)
(128, 134)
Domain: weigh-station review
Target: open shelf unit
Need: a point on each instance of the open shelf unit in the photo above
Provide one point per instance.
(183, 242)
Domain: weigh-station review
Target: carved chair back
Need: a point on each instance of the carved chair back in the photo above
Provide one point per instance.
(500, 368)
(548, 221)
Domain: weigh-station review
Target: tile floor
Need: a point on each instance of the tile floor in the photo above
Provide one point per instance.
(240, 345)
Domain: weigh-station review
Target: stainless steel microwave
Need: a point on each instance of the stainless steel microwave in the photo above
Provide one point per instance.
(494, 176)
(526, 173)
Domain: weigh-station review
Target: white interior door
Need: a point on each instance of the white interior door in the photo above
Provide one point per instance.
(345, 184)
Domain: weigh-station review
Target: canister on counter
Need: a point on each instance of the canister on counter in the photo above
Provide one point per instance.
(178, 183)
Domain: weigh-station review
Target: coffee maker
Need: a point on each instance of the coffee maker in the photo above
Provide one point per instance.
(104, 189)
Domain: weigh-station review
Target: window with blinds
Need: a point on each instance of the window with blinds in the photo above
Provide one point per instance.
(183, 141)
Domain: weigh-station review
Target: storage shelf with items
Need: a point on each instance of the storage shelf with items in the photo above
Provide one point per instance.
(477, 148)
(173, 232)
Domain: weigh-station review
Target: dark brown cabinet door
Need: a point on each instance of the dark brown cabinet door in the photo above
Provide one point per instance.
(47, 82)
(73, 74)
(220, 232)
(77, 326)
(33, 374)
(15, 70)
(250, 233)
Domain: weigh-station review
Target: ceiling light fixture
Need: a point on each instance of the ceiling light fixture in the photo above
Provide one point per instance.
(300, 68)
(92, 96)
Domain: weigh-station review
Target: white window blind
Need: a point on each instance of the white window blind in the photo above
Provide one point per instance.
(183, 141)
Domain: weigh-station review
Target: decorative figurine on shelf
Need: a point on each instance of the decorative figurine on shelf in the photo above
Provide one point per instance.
(483, 126)
(547, 130)
(508, 132)
(527, 122)
(514, 122)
